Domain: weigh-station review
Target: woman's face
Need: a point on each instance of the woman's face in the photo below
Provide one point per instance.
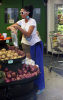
(24, 13)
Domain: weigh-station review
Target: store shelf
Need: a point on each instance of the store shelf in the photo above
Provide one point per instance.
(11, 61)
(18, 82)
(5, 41)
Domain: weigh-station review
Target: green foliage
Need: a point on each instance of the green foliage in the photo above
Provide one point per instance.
(59, 12)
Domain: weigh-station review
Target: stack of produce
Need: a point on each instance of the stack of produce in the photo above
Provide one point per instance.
(2, 37)
(28, 61)
(26, 71)
(12, 53)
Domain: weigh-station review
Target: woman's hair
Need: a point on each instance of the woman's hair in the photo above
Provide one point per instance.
(30, 9)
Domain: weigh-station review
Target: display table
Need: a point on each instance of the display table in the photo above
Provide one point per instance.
(23, 85)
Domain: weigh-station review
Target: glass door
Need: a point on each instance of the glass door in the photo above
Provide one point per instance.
(58, 12)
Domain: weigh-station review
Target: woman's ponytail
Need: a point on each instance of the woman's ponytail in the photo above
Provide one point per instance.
(30, 10)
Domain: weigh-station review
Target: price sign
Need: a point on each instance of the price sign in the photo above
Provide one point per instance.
(10, 61)
(7, 41)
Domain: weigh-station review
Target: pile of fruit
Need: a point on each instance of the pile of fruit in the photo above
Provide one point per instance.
(2, 37)
(12, 53)
(23, 73)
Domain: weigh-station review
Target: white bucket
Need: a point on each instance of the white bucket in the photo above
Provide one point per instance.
(5, 35)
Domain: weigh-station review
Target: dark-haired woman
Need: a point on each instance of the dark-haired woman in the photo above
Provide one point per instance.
(28, 28)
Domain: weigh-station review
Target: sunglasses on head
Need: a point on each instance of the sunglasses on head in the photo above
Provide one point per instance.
(21, 12)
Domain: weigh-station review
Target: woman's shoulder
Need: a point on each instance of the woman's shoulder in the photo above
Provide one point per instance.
(32, 20)
(22, 20)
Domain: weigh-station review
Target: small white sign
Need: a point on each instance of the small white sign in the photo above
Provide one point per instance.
(10, 61)
(7, 41)
(11, 21)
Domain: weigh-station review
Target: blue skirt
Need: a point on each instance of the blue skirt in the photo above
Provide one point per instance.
(36, 52)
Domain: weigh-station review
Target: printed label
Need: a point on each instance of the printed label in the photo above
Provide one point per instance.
(7, 41)
(10, 61)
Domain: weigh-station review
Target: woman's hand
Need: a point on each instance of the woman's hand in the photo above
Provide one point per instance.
(16, 26)
(13, 30)
(8, 28)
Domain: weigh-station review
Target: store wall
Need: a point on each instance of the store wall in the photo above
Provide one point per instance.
(41, 27)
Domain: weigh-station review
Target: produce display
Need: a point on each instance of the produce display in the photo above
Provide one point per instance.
(59, 19)
(7, 38)
(60, 16)
(2, 38)
(11, 53)
(26, 69)
(23, 73)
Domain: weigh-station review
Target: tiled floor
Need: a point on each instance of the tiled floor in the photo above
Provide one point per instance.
(53, 85)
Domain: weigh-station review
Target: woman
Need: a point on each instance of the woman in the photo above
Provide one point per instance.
(28, 28)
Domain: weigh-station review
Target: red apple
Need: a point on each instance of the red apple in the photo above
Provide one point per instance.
(23, 65)
(7, 73)
(32, 69)
(19, 71)
(6, 69)
(7, 80)
(27, 68)
(13, 74)
(38, 71)
(13, 79)
(9, 76)
(28, 75)
(35, 73)
(10, 72)
(32, 75)
(22, 77)
(25, 71)
(31, 66)
(17, 78)
(0, 34)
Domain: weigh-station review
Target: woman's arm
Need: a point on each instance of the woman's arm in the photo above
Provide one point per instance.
(24, 31)
(9, 27)
(12, 28)
(37, 33)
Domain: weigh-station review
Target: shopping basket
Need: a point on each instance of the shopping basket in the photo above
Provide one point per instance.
(56, 48)
(56, 43)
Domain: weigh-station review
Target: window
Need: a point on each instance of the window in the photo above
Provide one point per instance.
(11, 15)
(37, 14)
